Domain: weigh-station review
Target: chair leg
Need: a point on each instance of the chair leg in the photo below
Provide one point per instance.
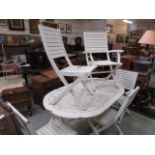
(118, 128)
(92, 83)
(93, 127)
(128, 112)
(113, 76)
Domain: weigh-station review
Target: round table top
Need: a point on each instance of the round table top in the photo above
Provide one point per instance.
(11, 81)
(84, 105)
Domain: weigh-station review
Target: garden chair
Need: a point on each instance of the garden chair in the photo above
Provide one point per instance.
(97, 42)
(113, 115)
(54, 48)
(54, 127)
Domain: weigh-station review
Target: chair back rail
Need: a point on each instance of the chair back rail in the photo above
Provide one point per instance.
(95, 42)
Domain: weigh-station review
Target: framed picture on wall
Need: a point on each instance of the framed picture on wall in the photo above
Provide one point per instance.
(50, 20)
(49, 24)
(68, 28)
(33, 24)
(62, 27)
(3, 22)
(16, 24)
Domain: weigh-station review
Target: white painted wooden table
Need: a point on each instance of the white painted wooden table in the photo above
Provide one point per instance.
(12, 81)
(86, 106)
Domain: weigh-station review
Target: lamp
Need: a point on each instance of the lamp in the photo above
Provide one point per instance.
(149, 39)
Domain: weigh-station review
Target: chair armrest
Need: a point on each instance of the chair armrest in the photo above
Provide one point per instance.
(118, 57)
(120, 51)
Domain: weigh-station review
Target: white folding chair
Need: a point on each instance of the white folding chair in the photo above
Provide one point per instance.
(54, 127)
(54, 48)
(25, 125)
(97, 42)
(114, 116)
(128, 80)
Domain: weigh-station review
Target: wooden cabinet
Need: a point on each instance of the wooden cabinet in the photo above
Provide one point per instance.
(127, 61)
(42, 84)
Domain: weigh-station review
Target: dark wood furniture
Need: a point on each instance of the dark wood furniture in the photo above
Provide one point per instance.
(8, 123)
(144, 78)
(19, 97)
(15, 49)
(127, 61)
(42, 84)
(133, 50)
(37, 59)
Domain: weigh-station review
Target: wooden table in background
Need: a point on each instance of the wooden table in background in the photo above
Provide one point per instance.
(144, 77)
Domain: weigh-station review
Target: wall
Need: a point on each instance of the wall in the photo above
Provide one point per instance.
(81, 25)
(119, 27)
(78, 27)
(145, 24)
(5, 29)
(94, 25)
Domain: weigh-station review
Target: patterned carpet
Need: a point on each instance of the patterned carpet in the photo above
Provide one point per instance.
(144, 102)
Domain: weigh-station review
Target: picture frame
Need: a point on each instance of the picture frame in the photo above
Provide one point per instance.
(49, 24)
(3, 22)
(50, 20)
(16, 24)
(33, 24)
(62, 27)
(68, 28)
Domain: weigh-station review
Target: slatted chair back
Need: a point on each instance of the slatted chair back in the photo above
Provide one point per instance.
(95, 42)
(54, 126)
(24, 123)
(54, 47)
(126, 78)
(126, 102)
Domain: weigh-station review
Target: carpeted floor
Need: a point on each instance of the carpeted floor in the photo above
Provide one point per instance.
(144, 103)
